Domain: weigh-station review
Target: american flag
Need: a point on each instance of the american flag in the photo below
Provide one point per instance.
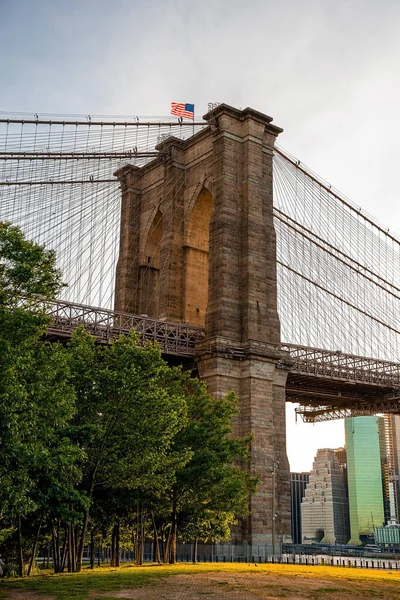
(182, 110)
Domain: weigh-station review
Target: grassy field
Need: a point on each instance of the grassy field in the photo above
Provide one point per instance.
(216, 581)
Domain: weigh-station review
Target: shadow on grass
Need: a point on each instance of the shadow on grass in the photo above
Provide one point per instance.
(76, 586)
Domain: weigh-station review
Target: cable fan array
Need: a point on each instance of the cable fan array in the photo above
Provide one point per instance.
(338, 270)
(57, 183)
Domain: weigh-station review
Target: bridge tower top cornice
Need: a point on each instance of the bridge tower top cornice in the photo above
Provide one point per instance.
(169, 143)
(123, 172)
(221, 110)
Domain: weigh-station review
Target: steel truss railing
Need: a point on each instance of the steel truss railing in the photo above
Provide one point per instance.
(180, 339)
(337, 365)
(106, 325)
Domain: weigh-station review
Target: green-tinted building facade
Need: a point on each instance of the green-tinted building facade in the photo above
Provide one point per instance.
(364, 472)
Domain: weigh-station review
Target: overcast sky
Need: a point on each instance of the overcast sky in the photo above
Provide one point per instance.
(328, 72)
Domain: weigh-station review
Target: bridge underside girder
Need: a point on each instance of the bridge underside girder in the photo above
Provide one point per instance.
(334, 385)
(324, 399)
(331, 413)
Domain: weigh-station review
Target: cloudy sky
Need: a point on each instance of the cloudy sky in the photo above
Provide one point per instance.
(327, 71)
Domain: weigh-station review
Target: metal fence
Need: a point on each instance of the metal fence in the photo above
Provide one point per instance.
(254, 554)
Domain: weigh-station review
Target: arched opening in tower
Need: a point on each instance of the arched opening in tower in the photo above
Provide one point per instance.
(196, 253)
(149, 274)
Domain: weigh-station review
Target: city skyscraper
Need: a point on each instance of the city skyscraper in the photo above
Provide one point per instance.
(324, 509)
(392, 443)
(298, 483)
(365, 476)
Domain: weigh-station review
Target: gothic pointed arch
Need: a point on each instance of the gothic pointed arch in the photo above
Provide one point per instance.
(196, 256)
(150, 268)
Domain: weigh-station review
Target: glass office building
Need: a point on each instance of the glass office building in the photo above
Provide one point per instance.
(364, 473)
(298, 483)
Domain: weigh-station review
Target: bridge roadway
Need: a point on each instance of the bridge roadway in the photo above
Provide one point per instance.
(327, 384)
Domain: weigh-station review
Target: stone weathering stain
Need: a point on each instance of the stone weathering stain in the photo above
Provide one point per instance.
(198, 246)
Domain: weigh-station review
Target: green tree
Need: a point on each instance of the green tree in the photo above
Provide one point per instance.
(130, 406)
(36, 400)
(90, 422)
(212, 489)
(28, 278)
(26, 269)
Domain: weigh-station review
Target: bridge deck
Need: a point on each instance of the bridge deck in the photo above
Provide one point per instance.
(322, 381)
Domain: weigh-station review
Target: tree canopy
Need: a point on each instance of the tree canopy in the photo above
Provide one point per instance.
(102, 443)
(36, 399)
(27, 270)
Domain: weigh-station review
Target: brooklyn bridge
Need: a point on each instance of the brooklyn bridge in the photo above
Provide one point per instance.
(213, 241)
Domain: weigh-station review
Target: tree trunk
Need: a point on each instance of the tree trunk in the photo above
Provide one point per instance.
(81, 545)
(195, 550)
(73, 548)
(35, 545)
(85, 524)
(117, 547)
(172, 552)
(64, 551)
(20, 553)
(162, 535)
(156, 553)
(92, 549)
(142, 535)
(58, 546)
(167, 546)
(113, 539)
(90, 495)
(54, 541)
(70, 563)
(139, 541)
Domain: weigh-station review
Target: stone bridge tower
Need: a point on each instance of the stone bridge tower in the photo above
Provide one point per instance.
(198, 246)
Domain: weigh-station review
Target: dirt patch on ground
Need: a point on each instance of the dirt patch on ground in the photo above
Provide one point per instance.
(248, 584)
(253, 585)
(26, 595)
